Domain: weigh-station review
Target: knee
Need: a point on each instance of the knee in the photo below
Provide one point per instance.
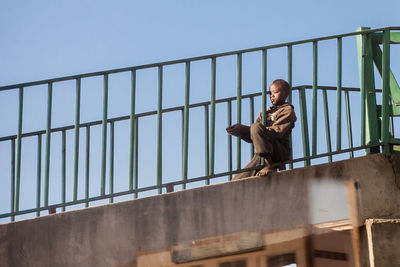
(257, 128)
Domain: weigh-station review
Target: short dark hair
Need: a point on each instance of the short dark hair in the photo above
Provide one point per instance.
(282, 84)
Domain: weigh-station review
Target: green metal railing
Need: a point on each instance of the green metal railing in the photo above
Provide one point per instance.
(303, 154)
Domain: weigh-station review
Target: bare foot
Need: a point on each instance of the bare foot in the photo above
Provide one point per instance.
(264, 171)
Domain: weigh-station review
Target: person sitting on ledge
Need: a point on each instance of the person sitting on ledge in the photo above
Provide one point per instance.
(271, 141)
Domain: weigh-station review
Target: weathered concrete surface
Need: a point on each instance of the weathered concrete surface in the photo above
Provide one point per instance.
(383, 242)
(112, 235)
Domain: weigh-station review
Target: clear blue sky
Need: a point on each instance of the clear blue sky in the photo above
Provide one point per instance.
(48, 39)
(44, 39)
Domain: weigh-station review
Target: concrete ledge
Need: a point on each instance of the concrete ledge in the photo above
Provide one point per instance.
(113, 234)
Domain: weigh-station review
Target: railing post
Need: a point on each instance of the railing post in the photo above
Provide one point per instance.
(385, 90)
(38, 173)
(12, 163)
(19, 143)
(239, 108)
(63, 168)
(264, 87)
(212, 126)
(87, 163)
(304, 125)
(185, 140)
(132, 128)
(315, 98)
(159, 129)
(339, 96)
(104, 136)
(289, 77)
(369, 113)
(48, 139)
(76, 148)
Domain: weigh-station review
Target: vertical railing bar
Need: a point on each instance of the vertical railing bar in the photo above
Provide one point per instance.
(136, 156)
(239, 108)
(48, 141)
(327, 125)
(104, 136)
(76, 148)
(63, 168)
(132, 128)
(206, 142)
(339, 96)
(87, 167)
(315, 96)
(159, 129)
(229, 103)
(304, 125)
(212, 126)
(111, 161)
(349, 127)
(264, 92)
(38, 173)
(362, 89)
(385, 90)
(251, 122)
(19, 143)
(185, 143)
(264, 87)
(12, 178)
(290, 76)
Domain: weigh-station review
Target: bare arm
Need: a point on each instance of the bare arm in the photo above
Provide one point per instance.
(243, 131)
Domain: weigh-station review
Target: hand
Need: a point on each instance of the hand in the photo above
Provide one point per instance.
(237, 129)
(243, 131)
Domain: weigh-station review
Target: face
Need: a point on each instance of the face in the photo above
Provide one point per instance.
(277, 95)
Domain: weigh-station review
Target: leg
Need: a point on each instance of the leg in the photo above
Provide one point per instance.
(263, 144)
(254, 162)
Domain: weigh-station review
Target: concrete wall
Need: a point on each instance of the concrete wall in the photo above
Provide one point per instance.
(111, 235)
(384, 242)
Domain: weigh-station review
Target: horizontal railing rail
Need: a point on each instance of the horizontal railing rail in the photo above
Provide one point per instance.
(74, 184)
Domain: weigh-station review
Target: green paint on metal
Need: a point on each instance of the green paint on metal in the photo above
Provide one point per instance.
(63, 169)
(264, 88)
(368, 100)
(339, 96)
(185, 141)
(229, 114)
(159, 129)
(315, 98)
(212, 126)
(38, 173)
(349, 126)
(289, 80)
(48, 139)
(112, 160)
(385, 91)
(104, 136)
(12, 200)
(327, 125)
(136, 156)
(239, 109)
(87, 164)
(251, 122)
(132, 128)
(76, 147)
(19, 140)
(304, 126)
(206, 142)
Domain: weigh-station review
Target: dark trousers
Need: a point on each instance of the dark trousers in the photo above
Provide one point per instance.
(265, 144)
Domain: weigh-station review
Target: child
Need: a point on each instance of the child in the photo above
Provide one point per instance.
(272, 140)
